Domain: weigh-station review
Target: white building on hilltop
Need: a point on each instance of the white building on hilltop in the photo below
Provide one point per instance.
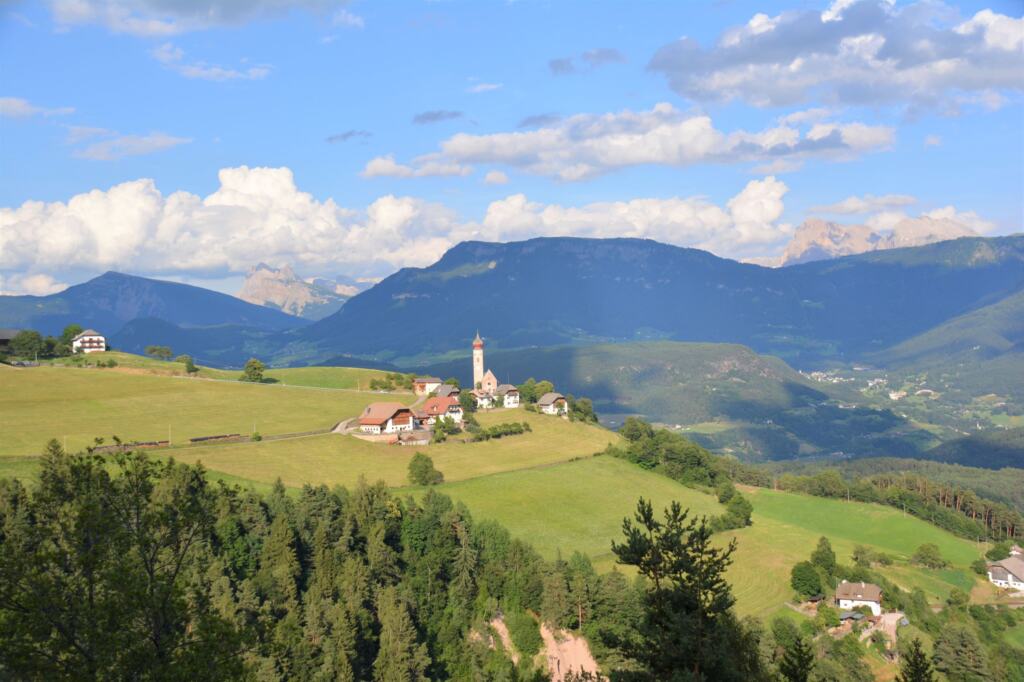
(89, 341)
(1008, 573)
(851, 595)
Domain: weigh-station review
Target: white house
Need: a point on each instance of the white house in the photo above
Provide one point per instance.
(484, 400)
(380, 418)
(851, 595)
(438, 408)
(1008, 573)
(509, 395)
(425, 385)
(89, 341)
(553, 403)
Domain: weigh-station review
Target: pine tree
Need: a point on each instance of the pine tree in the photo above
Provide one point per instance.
(959, 654)
(915, 667)
(797, 662)
(400, 658)
(824, 558)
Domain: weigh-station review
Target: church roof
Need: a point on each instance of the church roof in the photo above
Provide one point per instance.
(478, 342)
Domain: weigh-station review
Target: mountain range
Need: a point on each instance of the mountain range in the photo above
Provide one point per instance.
(282, 289)
(818, 239)
(560, 291)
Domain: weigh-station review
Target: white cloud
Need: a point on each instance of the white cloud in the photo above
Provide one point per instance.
(163, 18)
(587, 145)
(129, 145)
(968, 218)
(15, 107)
(483, 87)
(869, 203)
(495, 177)
(77, 134)
(345, 18)
(857, 52)
(34, 285)
(173, 57)
(260, 214)
(746, 225)
(932, 141)
(430, 165)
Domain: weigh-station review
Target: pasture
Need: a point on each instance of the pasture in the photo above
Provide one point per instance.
(341, 460)
(580, 506)
(40, 403)
(317, 377)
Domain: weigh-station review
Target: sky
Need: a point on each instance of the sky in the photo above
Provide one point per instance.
(192, 139)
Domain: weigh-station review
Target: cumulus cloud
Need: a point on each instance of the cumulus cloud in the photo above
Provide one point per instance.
(435, 116)
(495, 177)
(968, 218)
(855, 52)
(587, 145)
(592, 59)
(16, 107)
(162, 18)
(430, 165)
(932, 141)
(345, 18)
(869, 203)
(747, 224)
(259, 214)
(173, 58)
(34, 285)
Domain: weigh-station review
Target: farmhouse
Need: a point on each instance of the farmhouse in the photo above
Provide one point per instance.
(425, 385)
(89, 341)
(552, 403)
(1007, 573)
(380, 418)
(484, 400)
(851, 595)
(508, 394)
(437, 408)
(447, 390)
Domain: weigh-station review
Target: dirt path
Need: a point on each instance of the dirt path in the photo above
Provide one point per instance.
(498, 624)
(888, 623)
(566, 652)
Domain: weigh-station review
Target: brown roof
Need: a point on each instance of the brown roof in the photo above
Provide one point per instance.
(377, 414)
(446, 390)
(859, 591)
(1013, 565)
(550, 398)
(87, 332)
(506, 388)
(438, 405)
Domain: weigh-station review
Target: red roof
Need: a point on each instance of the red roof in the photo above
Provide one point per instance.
(438, 405)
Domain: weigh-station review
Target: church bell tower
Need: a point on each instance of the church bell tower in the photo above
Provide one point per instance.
(478, 360)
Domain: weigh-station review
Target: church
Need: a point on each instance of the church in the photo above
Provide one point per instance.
(486, 389)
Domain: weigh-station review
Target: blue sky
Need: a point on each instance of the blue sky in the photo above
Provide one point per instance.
(190, 140)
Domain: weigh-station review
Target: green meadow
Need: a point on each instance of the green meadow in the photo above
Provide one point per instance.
(40, 403)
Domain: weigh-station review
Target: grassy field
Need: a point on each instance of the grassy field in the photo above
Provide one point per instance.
(580, 505)
(1015, 636)
(318, 377)
(341, 460)
(40, 403)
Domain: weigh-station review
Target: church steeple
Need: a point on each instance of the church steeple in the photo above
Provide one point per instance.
(478, 360)
(478, 342)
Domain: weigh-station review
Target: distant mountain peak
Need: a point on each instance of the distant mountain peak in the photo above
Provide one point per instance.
(281, 289)
(818, 239)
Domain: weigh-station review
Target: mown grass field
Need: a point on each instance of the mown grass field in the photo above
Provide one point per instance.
(40, 403)
(318, 377)
(580, 505)
(341, 460)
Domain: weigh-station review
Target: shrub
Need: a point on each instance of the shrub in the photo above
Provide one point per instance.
(929, 556)
(805, 579)
(256, 436)
(524, 631)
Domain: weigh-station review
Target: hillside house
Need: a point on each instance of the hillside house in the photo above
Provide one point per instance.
(6, 335)
(89, 341)
(851, 595)
(425, 385)
(380, 418)
(553, 403)
(1008, 573)
(508, 394)
(438, 408)
(447, 391)
(418, 437)
(484, 400)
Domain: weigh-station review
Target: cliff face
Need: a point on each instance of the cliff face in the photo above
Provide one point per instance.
(818, 239)
(280, 288)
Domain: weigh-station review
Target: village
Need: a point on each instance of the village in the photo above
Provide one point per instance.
(443, 406)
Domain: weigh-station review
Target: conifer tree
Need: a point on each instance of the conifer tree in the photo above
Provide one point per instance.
(959, 654)
(399, 658)
(915, 666)
(797, 662)
(824, 558)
